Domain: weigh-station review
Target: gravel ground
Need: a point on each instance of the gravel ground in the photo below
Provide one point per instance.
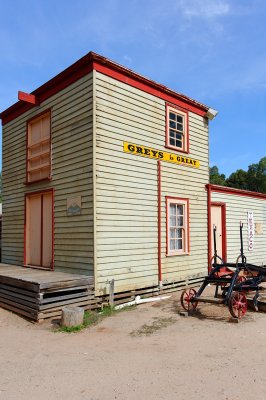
(149, 352)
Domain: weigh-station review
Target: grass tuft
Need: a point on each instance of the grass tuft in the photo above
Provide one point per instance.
(155, 326)
(92, 318)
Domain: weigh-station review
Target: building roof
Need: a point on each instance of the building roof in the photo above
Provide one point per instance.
(238, 192)
(93, 61)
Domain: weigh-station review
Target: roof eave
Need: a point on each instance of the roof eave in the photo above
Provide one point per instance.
(79, 69)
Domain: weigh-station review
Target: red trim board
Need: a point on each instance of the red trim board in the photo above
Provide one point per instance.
(28, 98)
(159, 222)
(237, 192)
(93, 61)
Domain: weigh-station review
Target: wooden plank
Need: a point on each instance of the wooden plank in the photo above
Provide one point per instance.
(19, 306)
(17, 290)
(18, 301)
(85, 303)
(82, 298)
(66, 290)
(58, 313)
(46, 286)
(17, 297)
(65, 297)
(20, 283)
(31, 315)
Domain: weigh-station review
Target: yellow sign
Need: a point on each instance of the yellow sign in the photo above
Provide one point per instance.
(160, 155)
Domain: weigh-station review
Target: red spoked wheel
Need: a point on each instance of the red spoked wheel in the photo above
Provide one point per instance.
(238, 305)
(186, 297)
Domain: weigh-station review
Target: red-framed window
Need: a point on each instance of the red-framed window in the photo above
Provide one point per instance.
(39, 148)
(177, 217)
(177, 135)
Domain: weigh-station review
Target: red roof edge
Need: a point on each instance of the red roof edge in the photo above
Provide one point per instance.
(239, 192)
(84, 66)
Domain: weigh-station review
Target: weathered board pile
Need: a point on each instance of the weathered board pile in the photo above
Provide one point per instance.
(38, 294)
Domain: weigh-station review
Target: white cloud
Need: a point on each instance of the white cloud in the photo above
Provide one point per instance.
(204, 9)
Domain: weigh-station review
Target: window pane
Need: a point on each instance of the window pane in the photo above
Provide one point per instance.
(178, 143)
(172, 142)
(179, 209)
(173, 124)
(172, 221)
(172, 133)
(180, 221)
(172, 116)
(179, 244)
(179, 118)
(179, 233)
(178, 136)
(179, 127)
(172, 245)
(172, 209)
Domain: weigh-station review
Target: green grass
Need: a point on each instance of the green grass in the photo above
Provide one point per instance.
(158, 324)
(71, 329)
(92, 318)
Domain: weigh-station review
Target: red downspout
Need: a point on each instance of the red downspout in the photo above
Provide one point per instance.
(159, 223)
(209, 225)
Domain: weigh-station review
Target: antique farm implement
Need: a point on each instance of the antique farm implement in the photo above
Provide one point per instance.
(233, 280)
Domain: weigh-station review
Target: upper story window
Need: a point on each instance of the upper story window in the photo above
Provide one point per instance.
(177, 226)
(176, 129)
(39, 148)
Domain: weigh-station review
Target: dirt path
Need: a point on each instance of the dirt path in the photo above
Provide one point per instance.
(200, 357)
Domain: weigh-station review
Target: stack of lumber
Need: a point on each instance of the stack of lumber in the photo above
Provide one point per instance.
(38, 294)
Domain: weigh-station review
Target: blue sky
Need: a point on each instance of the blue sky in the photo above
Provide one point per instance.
(211, 50)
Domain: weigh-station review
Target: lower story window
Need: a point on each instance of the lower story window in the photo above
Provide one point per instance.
(177, 226)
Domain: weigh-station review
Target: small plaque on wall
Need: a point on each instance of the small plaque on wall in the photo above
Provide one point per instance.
(258, 228)
(74, 205)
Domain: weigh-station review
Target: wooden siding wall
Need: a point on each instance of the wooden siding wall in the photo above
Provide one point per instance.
(127, 230)
(236, 211)
(71, 111)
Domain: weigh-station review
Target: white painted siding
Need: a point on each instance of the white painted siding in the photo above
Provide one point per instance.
(236, 211)
(71, 111)
(126, 190)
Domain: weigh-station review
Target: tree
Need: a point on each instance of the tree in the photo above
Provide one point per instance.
(238, 180)
(216, 178)
(253, 179)
(256, 176)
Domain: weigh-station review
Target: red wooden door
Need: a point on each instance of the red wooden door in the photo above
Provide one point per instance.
(39, 230)
(218, 219)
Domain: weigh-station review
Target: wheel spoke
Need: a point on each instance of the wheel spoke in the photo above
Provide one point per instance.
(238, 305)
(186, 297)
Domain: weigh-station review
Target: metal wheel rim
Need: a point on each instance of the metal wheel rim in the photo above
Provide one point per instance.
(186, 297)
(238, 305)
